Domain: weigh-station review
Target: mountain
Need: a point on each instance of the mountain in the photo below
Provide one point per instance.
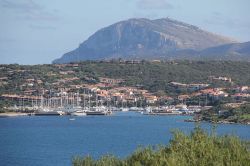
(143, 39)
(232, 52)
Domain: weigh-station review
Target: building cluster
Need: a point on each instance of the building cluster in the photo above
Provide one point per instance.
(65, 81)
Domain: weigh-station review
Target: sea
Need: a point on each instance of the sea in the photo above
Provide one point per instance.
(56, 140)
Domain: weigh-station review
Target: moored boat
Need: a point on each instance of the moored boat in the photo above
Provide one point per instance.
(99, 112)
(48, 113)
(79, 113)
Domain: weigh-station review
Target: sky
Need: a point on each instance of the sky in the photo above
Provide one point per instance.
(39, 31)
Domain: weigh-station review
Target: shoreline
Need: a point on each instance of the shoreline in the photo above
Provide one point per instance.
(19, 114)
(12, 114)
(216, 122)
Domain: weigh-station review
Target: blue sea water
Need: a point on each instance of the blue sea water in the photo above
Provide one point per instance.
(52, 141)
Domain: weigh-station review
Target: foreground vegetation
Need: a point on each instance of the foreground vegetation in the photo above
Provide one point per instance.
(198, 148)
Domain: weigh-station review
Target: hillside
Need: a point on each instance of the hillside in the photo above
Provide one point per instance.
(152, 76)
(143, 39)
(234, 51)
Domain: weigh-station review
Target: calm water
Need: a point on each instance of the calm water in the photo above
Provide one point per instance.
(35, 141)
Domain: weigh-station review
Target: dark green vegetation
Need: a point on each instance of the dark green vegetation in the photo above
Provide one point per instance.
(156, 76)
(224, 114)
(198, 148)
(153, 76)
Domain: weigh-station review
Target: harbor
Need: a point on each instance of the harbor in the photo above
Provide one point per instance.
(64, 136)
(89, 103)
(103, 110)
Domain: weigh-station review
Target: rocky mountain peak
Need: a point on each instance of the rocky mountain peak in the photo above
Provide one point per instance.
(141, 38)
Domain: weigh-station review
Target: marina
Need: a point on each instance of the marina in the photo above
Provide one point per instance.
(87, 104)
(79, 111)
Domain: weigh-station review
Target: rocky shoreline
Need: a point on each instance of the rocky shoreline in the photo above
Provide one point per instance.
(216, 122)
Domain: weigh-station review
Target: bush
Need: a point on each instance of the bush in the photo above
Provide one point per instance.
(198, 148)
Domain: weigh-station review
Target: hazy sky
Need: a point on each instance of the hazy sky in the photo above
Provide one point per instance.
(38, 31)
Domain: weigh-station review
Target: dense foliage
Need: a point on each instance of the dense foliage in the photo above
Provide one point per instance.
(198, 148)
(156, 75)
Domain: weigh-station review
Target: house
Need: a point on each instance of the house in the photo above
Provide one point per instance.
(29, 92)
(240, 96)
(178, 85)
(151, 99)
(220, 78)
(242, 89)
(215, 93)
(66, 72)
(39, 81)
(195, 87)
(3, 78)
(183, 97)
(110, 81)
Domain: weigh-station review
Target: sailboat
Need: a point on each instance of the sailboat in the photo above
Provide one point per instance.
(45, 109)
(78, 110)
(99, 110)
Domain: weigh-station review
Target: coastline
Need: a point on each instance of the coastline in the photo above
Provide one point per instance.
(12, 114)
(217, 122)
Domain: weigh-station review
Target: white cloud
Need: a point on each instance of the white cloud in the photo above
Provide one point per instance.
(28, 9)
(21, 5)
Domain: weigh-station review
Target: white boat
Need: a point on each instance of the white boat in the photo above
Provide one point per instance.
(137, 109)
(99, 111)
(79, 113)
(124, 109)
(115, 109)
(147, 111)
(69, 109)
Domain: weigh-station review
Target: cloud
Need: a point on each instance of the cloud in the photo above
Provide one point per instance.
(21, 5)
(154, 4)
(28, 9)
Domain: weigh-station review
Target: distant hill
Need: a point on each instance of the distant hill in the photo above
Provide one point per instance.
(232, 52)
(144, 39)
(235, 52)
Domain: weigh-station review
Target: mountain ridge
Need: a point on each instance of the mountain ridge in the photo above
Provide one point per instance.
(141, 38)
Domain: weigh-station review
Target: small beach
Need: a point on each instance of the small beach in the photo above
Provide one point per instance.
(12, 114)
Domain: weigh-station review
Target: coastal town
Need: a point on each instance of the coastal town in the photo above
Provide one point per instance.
(125, 83)
(61, 87)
